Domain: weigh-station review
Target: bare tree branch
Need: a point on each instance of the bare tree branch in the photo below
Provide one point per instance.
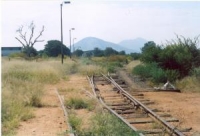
(31, 36)
(36, 39)
(26, 41)
(20, 42)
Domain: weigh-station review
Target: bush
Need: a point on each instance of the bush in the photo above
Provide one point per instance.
(105, 124)
(158, 75)
(111, 67)
(196, 72)
(151, 71)
(76, 103)
(80, 103)
(22, 89)
(75, 122)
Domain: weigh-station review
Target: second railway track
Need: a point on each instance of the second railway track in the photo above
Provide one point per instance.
(131, 108)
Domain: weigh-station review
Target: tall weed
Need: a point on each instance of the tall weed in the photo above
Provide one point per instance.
(22, 88)
(105, 124)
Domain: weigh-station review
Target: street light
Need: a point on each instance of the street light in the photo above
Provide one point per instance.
(73, 44)
(70, 39)
(65, 2)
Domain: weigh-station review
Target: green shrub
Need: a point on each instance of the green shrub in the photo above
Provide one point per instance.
(19, 54)
(142, 71)
(172, 75)
(112, 66)
(196, 72)
(75, 122)
(105, 124)
(158, 75)
(76, 103)
(151, 71)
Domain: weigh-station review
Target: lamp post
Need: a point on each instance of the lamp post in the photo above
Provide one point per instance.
(70, 39)
(73, 44)
(65, 2)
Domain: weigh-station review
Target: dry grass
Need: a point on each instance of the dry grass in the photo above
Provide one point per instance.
(91, 70)
(189, 84)
(22, 88)
(132, 64)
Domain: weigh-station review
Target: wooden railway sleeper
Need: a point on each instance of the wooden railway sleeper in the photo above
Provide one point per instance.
(164, 123)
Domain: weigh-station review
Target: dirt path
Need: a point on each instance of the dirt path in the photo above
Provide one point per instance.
(49, 120)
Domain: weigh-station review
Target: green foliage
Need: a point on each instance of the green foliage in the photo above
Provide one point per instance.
(176, 59)
(135, 56)
(111, 67)
(172, 75)
(19, 54)
(196, 72)
(98, 52)
(109, 51)
(141, 70)
(105, 124)
(158, 75)
(75, 122)
(80, 103)
(150, 52)
(78, 53)
(76, 103)
(31, 51)
(151, 71)
(53, 48)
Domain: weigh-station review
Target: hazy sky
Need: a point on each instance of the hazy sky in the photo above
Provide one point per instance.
(110, 20)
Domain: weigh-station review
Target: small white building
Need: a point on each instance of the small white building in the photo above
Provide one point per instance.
(6, 51)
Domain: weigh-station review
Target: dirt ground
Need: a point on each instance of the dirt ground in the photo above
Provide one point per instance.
(183, 106)
(50, 120)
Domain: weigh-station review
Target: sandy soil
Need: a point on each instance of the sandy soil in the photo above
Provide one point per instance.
(49, 120)
(183, 106)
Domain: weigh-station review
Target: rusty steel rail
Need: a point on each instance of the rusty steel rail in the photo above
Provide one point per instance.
(61, 99)
(137, 103)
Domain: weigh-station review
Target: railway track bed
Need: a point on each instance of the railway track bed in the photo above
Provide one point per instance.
(133, 108)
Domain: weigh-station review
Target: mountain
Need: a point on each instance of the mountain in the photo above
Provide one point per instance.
(89, 43)
(134, 44)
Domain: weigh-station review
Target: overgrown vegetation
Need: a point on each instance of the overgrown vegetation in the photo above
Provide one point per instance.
(103, 124)
(176, 60)
(22, 88)
(79, 103)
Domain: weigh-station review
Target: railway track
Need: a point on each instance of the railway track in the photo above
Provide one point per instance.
(133, 109)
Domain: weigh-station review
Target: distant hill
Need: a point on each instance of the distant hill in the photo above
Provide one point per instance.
(133, 44)
(89, 43)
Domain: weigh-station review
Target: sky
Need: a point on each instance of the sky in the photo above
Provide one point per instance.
(110, 20)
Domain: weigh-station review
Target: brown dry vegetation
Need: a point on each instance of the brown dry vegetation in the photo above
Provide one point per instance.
(49, 119)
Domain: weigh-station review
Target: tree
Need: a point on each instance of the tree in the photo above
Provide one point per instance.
(181, 54)
(122, 53)
(28, 40)
(135, 55)
(78, 53)
(97, 52)
(33, 52)
(110, 51)
(53, 48)
(150, 52)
